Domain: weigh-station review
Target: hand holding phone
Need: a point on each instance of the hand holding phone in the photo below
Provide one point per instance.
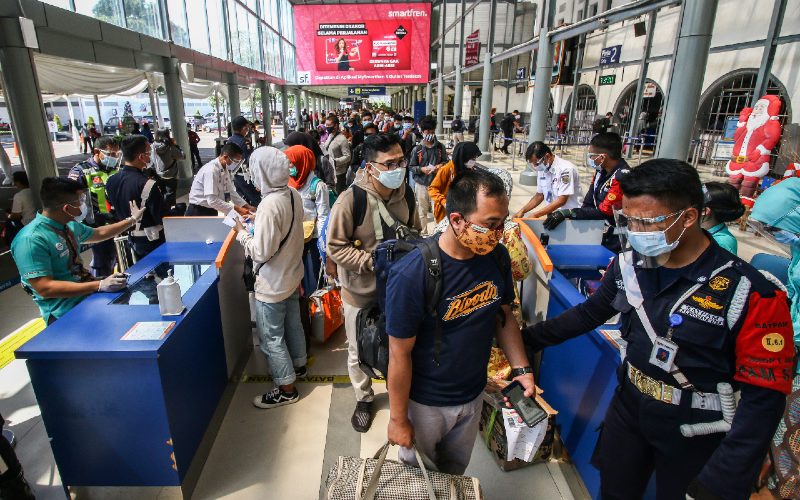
(527, 408)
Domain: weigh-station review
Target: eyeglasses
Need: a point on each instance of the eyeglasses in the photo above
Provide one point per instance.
(634, 223)
(392, 165)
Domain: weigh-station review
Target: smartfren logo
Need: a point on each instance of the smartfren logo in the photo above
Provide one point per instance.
(408, 13)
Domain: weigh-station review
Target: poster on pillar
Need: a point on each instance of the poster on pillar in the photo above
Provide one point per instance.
(363, 43)
(757, 133)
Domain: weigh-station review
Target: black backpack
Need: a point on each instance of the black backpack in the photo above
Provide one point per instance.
(371, 336)
(360, 209)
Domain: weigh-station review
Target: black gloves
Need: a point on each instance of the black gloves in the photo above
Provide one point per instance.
(697, 491)
(557, 217)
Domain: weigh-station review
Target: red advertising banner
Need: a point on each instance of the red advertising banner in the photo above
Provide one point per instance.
(472, 49)
(355, 44)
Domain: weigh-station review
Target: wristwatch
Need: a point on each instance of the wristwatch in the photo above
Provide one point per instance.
(516, 372)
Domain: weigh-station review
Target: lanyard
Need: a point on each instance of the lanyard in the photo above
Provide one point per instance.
(76, 264)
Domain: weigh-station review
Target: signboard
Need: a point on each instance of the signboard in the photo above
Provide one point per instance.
(558, 59)
(521, 72)
(366, 91)
(607, 80)
(610, 55)
(362, 43)
(472, 49)
(650, 90)
(730, 127)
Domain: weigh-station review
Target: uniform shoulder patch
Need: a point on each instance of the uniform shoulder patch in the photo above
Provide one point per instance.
(611, 197)
(565, 178)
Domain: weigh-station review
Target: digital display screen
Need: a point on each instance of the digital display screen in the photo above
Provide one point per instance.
(353, 44)
(527, 408)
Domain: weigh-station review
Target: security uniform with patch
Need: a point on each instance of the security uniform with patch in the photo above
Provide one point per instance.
(714, 321)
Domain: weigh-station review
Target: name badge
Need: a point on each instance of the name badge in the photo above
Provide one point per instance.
(227, 196)
(663, 354)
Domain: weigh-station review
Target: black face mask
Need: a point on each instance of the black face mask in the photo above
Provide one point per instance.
(329, 129)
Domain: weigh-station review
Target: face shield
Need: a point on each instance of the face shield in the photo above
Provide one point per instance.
(782, 238)
(645, 238)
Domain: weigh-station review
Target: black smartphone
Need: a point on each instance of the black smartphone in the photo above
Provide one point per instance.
(527, 408)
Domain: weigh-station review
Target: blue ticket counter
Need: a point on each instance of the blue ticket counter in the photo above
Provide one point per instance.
(126, 412)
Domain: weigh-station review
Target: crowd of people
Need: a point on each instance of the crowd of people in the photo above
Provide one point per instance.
(322, 205)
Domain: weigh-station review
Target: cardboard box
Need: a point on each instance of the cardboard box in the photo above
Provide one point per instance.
(493, 431)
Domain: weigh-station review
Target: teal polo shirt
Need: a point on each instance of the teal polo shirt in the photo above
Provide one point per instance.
(39, 251)
(724, 238)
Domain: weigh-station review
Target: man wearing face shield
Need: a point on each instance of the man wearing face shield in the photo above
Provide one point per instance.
(776, 215)
(356, 224)
(93, 174)
(558, 183)
(605, 158)
(695, 318)
(212, 189)
(47, 251)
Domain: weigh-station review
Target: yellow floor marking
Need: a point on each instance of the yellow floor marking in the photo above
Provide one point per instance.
(18, 339)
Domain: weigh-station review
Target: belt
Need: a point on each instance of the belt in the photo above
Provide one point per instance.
(668, 394)
(142, 233)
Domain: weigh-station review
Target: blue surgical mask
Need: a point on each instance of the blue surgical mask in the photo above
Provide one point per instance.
(590, 162)
(653, 243)
(392, 179)
(292, 172)
(406, 126)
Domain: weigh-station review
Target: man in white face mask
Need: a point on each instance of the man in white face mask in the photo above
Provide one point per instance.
(92, 174)
(46, 251)
(424, 161)
(213, 191)
(356, 225)
(699, 323)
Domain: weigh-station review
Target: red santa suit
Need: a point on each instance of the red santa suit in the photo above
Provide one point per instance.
(758, 132)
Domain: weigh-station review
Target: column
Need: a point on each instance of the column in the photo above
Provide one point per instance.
(637, 100)
(458, 99)
(541, 87)
(24, 101)
(488, 83)
(297, 108)
(266, 111)
(172, 85)
(428, 98)
(440, 73)
(99, 113)
(688, 70)
(284, 109)
(233, 96)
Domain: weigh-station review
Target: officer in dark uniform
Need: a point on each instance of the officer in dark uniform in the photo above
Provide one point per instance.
(132, 184)
(93, 174)
(695, 317)
(605, 157)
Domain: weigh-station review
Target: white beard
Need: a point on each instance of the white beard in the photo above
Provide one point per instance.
(757, 120)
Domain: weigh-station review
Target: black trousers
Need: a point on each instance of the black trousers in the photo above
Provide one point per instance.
(197, 210)
(640, 436)
(104, 256)
(341, 182)
(195, 152)
(506, 143)
(142, 246)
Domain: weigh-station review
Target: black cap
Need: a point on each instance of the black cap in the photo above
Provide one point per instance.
(239, 122)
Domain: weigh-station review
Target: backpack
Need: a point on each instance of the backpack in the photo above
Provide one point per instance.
(360, 202)
(599, 125)
(312, 190)
(371, 336)
(419, 152)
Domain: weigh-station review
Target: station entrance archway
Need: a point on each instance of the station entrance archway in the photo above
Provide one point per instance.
(649, 111)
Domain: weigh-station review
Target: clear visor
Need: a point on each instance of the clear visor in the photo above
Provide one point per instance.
(646, 230)
(776, 236)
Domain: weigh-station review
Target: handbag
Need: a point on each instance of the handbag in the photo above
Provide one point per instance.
(326, 311)
(376, 478)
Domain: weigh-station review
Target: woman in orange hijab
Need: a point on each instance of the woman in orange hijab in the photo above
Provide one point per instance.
(464, 155)
(316, 208)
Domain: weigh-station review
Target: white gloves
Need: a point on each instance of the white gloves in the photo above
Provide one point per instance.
(113, 283)
(136, 212)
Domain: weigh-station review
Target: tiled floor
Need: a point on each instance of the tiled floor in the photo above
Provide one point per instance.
(284, 453)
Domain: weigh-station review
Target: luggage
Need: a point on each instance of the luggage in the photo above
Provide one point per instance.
(326, 312)
(353, 478)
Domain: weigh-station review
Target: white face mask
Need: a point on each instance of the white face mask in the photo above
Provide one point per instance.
(392, 179)
(84, 211)
(234, 165)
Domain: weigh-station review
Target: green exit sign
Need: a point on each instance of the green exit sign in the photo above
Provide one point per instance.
(608, 79)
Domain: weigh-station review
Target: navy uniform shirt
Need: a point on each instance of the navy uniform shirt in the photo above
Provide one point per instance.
(240, 141)
(127, 185)
(736, 328)
(473, 292)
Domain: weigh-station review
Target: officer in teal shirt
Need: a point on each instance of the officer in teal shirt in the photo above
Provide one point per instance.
(721, 204)
(47, 250)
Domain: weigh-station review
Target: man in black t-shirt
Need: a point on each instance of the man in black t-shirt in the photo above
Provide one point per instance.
(437, 405)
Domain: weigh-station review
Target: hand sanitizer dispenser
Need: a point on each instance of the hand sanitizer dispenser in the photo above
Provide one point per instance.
(170, 302)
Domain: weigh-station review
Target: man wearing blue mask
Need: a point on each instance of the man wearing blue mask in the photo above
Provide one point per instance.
(604, 195)
(557, 182)
(92, 174)
(371, 210)
(776, 216)
(701, 325)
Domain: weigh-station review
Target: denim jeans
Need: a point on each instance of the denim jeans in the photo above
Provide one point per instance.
(282, 339)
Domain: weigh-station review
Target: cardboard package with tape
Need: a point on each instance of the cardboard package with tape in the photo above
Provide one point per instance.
(513, 444)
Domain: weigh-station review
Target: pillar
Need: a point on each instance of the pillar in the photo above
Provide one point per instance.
(440, 73)
(637, 100)
(688, 70)
(458, 100)
(541, 87)
(153, 106)
(99, 113)
(285, 109)
(233, 96)
(24, 101)
(72, 130)
(266, 111)
(297, 94)
(428, 98)
(488, 83)
(172, 86)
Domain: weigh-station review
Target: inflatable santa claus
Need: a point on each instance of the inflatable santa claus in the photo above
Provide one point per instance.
(757, 133)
